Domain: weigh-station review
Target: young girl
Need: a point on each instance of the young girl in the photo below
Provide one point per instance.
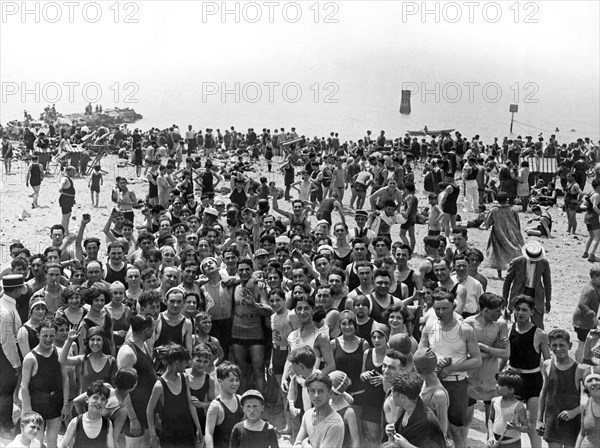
(96, 364)
(340, 382)
(31, 424)
(96, 180)
(91, 429)
(176, 412)
(559, 419)
(507, 414)
(202, 386)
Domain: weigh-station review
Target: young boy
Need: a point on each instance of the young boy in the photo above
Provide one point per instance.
(253, 431)
(559, 419)
(282, 323)
(322, 427)
(177, 412)
(508, 417)
(31, 424)
(118, 404)
(96, 180)
(302, 361)
(225, 411)
(81, 428)
(202, 385)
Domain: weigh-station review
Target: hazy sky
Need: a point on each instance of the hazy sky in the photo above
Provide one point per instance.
(177, 49)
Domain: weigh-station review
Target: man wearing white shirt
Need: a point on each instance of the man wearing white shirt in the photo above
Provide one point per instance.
(10, 362)
(470, 307)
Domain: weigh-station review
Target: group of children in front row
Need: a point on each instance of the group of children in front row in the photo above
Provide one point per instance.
(183, 415)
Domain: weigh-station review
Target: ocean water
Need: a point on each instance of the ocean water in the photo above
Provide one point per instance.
(353, 115)
(356, 110)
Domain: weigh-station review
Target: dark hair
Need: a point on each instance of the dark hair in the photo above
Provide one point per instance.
(141, 323)
(98, 388)
(125, 378)
(57, 227)
(558, 333)
(148, 297)
(148, 273)
(462, 230)
(431, 241)
(490, 301)
(202, 351)
(303, 298)
(320, 377)
(510, 379)
(397, 307)
(408, 384)
(96, 331)
(440, 294)
(48, 322)
(430, 284)
(277, 292)
(522, 298)
(19, 262)
(69, 292)
(89, 294)
(337, 271)
(225, 368)
(383, 239)
(395, 354)
(173, 353)
(382, 273)
(303, 355)
(399, 245)
(476, 252)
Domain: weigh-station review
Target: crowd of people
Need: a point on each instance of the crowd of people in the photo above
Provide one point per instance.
(187, 318)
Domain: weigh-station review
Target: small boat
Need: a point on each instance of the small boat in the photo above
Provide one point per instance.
(431, 133)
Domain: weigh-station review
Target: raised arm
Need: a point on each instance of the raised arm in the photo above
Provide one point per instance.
(278, 210)
(85, 220)
(63, 356)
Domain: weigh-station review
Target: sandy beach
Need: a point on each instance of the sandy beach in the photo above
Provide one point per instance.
(569, 270)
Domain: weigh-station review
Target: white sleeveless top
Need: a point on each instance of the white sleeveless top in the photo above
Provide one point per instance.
(448, 344)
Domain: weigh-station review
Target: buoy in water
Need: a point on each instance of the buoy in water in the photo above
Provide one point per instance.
(405, 103)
